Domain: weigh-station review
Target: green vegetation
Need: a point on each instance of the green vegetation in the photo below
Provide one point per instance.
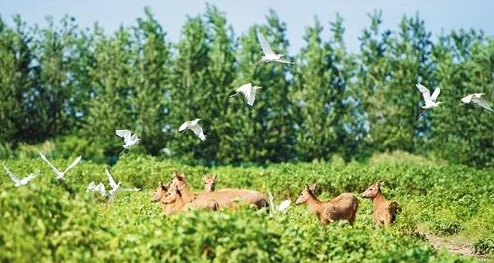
(59, 82)
(57, 221)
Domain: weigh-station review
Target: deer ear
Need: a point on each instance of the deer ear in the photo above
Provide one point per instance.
(380, 183)
(214, 176)
(313, 187)
(203, 177)
(307, 187)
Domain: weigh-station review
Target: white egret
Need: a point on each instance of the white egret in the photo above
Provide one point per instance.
(430, 101)
(20, 182)
(248, 91)
(60, 175)
(129, 139)
(116, 187)
(477, 99)
(282, 207)
(269, 55)
(195, 127)
(97, 188)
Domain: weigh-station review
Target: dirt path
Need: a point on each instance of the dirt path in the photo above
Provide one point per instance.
(455, 246)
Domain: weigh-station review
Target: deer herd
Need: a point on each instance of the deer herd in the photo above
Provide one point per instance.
(176, 196)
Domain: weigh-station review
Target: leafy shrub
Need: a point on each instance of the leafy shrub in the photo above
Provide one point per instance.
(484, 246)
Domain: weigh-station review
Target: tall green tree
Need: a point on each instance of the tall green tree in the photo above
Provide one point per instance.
(17, 73)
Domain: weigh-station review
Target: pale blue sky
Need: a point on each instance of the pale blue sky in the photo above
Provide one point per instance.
(438, 15)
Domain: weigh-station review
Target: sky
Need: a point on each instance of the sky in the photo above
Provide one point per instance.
(438, 14)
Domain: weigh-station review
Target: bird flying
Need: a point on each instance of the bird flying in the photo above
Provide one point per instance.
(116, 187)
(60, 175)
(20, 182)
(129, 139)
(195, 127)
(430, 101)
(269, 55)
(97, 188)
(477, 99)
(248, 91)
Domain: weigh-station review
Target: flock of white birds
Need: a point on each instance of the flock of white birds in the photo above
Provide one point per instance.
(249, 92)
(431, 100)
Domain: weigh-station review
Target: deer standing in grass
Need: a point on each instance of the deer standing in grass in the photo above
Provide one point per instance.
(342, 207)
(384, 211)
(225, 197)
(174, 196)
(159, 196)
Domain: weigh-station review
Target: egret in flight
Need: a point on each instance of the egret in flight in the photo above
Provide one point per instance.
(97, 188)
(20, 182)
(116, 187)
(248, 91)
(195, 127)
(477, 99)
(269, 55)
(430, 101)
(60, 175)
(129, 139)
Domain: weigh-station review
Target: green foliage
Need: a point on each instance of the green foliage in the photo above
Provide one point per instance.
(63, 81)
(49, 220)
(484, 246)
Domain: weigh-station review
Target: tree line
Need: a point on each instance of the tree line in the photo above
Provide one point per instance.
(62, 82)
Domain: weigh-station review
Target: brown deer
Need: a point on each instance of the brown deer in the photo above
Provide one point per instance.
(225, 197)
(159, 196)
(384, 211)
(209, 182)
(174, 197)
(342, 207)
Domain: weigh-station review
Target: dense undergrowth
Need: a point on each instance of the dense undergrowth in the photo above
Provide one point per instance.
(56, 221)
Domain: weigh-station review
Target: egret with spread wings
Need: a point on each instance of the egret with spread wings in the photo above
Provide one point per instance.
(60, 175)
(430, 101)
(195, 127)
(20, 182)
(248, 91)
(477, 99)
(269, 55)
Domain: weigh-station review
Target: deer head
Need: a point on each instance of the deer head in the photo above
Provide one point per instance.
(373, 190)
(306, 192)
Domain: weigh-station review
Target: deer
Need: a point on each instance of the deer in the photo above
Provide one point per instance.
(342, 207)
(384, 211)
(225, 197)
(159, 196)
(209, 182)
(174, 197)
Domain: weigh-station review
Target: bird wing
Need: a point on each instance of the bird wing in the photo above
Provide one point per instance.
(435, 94)
(252, 96)
(245, 89)
(266, 48)
(55, 170)
(284, 205)
(91, 186)
(110, 179)
(130, 189)
(284, 61)
(482, 103)
(29, 177)
(184, 126)
(425, 92)
(11, 175)
(123, 133)
(197, 129)
(74, 163)
(467, 99)
(101, 189)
